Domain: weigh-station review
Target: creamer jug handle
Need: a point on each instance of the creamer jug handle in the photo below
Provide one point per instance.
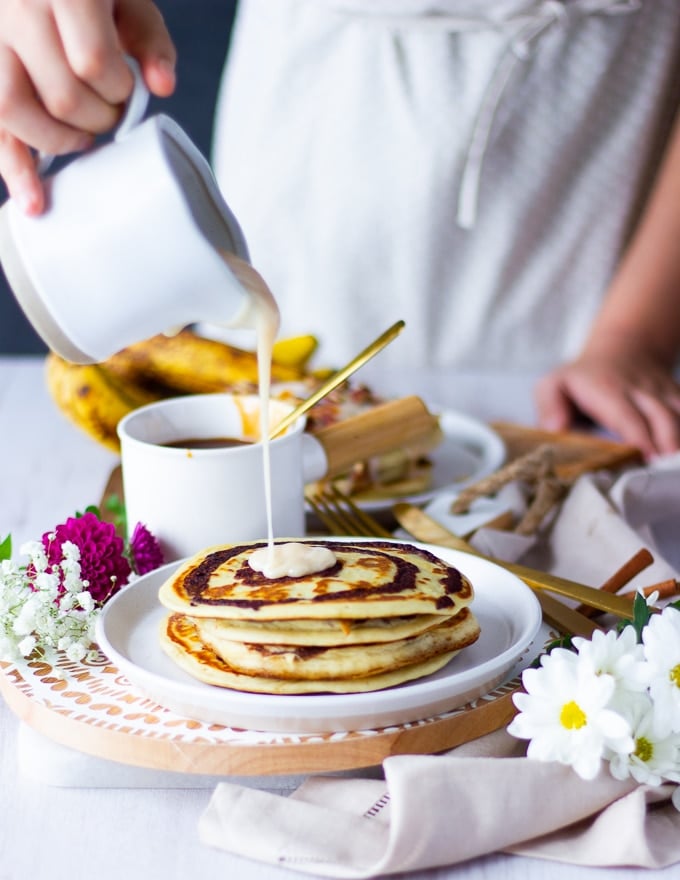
(133, 115)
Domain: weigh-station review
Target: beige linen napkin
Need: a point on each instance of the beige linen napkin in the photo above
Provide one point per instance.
(484, 796)
(591, 538)
(440, 810)
(601, 524)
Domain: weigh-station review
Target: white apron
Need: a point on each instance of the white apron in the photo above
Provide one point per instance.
(472, 166)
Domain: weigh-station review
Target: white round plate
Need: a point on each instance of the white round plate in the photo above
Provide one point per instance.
(508, 499)
(468, 451)
(508, 613)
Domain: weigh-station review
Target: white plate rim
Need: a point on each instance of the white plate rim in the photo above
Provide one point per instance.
(330, 712)
(473, 435)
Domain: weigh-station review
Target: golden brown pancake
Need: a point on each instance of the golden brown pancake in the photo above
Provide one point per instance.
(368, 580)
(325, 633)
(348, 662)
(180, 640)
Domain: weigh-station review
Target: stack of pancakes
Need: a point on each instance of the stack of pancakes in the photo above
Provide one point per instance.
(381, 614)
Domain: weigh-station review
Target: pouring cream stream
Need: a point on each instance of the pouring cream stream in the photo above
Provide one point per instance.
(292, 559)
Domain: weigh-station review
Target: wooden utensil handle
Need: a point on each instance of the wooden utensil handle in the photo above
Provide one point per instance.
(391, 425)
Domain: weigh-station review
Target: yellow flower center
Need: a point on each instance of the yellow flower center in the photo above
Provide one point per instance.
(674, 675)
(572, 716)
(644, 750)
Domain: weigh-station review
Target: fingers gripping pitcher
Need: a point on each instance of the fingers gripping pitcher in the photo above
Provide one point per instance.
(136, 239)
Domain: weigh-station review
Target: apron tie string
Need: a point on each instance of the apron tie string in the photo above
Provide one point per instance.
(524, 25)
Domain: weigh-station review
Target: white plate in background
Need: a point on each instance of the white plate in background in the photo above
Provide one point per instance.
(469, 451)
(481, 511)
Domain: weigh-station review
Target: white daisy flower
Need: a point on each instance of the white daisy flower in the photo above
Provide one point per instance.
(652, 599)
(661, 641)
(565, 714)
(675, 798)
(615, 654)
(654, 757)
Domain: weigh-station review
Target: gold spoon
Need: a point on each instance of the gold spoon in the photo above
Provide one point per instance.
(337, 378)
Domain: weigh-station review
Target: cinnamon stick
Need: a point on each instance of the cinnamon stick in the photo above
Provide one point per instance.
(638, 562)
(666, 589)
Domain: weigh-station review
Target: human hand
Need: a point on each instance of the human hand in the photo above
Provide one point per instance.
(63, 78)
(624, 388)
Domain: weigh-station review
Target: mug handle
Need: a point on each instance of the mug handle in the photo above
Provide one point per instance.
(134, 112)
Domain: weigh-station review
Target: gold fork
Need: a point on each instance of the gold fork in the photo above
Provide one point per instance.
(342, 516)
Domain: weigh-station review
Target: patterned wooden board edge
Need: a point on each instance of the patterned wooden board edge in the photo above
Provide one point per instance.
(95, 710)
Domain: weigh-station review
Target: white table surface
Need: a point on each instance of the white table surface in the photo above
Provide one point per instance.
(49, 470)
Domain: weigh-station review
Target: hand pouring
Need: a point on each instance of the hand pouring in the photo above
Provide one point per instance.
(131, 244)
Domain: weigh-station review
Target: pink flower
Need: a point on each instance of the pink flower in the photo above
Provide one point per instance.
(103, 563)
(145, 550)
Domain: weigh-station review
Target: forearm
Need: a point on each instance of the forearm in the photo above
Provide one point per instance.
(643, 302)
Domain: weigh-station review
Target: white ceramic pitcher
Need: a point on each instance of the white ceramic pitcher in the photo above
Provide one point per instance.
(131, 244)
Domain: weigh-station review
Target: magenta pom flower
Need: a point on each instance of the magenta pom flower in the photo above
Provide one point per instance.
(145, 550)
(103, 564)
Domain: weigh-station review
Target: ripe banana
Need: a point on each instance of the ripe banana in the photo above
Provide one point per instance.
(191, 364)
(95, 397)
(294, 351)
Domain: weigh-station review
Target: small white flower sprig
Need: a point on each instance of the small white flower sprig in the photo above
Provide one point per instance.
(47, 610)
(612, 698)
(50, 603)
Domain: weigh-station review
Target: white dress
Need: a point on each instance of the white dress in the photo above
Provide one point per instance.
(473, 167)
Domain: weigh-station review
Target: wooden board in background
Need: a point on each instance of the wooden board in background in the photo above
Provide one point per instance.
(576, 452)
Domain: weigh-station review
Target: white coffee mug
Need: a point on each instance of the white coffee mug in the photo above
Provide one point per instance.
(194, 498)
(131, 243)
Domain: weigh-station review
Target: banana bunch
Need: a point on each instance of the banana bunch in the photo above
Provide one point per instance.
(95, 397)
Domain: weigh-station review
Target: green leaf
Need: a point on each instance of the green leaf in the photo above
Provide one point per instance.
(641, 614)
(91, 508)
(561, 642)
(116, 507)
(6, 548)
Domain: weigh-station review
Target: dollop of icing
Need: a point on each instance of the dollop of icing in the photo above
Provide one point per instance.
(292, 559)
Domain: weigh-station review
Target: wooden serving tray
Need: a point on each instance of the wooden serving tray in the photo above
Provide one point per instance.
(92, 707)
